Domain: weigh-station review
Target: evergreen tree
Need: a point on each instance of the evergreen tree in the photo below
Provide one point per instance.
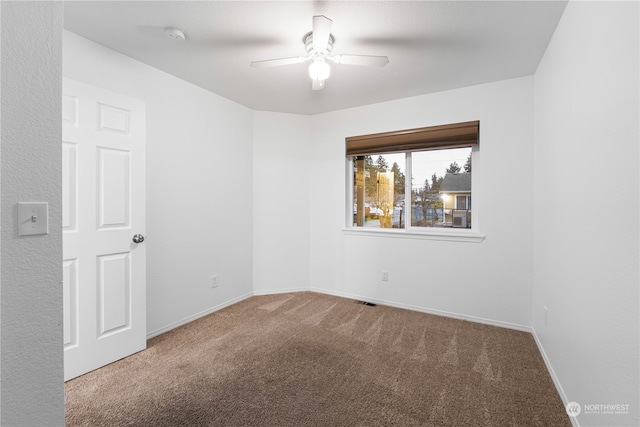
(435, 183)
(398, 180)
(381, 164)
(453, 168)
(370, 179)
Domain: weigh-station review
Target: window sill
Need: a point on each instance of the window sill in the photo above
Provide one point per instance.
(446, 235)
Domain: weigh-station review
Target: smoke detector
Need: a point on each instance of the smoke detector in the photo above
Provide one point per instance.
(174, 34)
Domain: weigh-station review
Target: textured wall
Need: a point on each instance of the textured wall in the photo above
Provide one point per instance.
(586, 255)
(31, 363)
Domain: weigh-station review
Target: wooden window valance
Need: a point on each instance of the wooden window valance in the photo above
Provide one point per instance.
(456, 135)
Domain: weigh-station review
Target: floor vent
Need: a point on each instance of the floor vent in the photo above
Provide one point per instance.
(370, 304)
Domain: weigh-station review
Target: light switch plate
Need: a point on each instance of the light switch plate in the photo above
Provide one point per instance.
(33, 218)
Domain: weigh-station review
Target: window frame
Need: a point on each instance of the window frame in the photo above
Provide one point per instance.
(413, 232)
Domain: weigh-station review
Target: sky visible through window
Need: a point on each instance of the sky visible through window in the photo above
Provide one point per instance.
(426, 163)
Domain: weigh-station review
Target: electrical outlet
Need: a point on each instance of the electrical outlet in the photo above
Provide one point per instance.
(546, 316)
(214, 281)
(385, 276)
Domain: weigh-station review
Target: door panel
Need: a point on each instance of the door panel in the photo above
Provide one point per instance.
(114, 293)
(103, 207)
(113, 188)
(70, 188)
(113, 119)
(70, 302)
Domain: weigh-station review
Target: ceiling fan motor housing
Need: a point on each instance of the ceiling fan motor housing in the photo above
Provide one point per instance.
(308, 42)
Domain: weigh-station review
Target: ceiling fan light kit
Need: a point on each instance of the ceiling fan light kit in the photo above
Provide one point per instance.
(319, 69)
(319, 45)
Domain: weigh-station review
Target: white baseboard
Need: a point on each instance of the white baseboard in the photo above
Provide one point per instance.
(279, 291)
(197, 315)
(554, 377)
(491, 322)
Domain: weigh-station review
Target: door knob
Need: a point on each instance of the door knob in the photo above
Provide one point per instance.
(138, 238)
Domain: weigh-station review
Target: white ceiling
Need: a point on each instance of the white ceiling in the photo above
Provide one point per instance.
(431, 45)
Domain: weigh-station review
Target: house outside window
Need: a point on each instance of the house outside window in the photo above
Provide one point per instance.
(403, 184)
(456, 196)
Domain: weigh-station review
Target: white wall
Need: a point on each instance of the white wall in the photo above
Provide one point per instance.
(488, 281)
(586, 207)
(31, 363)
(199, 184)
(280, 202)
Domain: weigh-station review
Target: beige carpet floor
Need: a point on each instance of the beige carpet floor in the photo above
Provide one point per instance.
(309, 359)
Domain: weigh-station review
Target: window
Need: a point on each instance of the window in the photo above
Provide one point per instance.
(379, 190)
(462, 202)
(413, 179)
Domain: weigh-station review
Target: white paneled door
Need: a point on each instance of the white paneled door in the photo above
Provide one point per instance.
(103, 150)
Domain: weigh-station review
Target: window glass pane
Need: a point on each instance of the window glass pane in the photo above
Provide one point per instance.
(439, 179)
(379, 191)
(461, 202)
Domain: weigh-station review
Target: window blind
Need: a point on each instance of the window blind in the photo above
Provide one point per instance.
(454, 135)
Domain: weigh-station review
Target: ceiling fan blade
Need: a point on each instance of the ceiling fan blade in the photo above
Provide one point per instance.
(317, 84)
(277, 62)
(321, 32)
(367, 60)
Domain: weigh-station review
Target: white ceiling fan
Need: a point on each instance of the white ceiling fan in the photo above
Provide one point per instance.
(319, 45)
